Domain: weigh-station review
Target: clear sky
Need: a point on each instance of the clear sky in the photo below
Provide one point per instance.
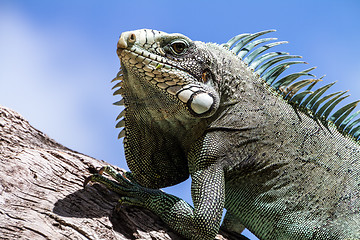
(57, 57)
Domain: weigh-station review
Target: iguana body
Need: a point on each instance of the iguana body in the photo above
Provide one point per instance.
(272, 156)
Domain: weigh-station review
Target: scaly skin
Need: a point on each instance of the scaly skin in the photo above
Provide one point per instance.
(260, 150)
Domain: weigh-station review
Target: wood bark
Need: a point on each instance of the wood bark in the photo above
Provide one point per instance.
(42, 194)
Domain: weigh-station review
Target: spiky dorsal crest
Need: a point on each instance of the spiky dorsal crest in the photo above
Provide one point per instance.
(312, 103)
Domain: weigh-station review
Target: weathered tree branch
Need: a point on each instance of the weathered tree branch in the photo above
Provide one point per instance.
(41, 193)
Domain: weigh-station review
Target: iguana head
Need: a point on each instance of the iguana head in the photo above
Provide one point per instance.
(173, 66)
(169, 86)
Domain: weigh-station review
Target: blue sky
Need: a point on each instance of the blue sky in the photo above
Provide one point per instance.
(57, 57)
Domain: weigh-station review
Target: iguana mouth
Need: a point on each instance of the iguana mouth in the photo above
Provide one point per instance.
(154, 69)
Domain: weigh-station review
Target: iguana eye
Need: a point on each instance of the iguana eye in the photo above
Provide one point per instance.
(179, 47)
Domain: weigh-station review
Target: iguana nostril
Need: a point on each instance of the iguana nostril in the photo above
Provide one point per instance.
(132, 38)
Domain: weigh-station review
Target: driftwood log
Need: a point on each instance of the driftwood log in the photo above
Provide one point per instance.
(42, 194)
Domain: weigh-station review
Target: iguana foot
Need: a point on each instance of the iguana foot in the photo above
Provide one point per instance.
(175, 212)
(132, 193)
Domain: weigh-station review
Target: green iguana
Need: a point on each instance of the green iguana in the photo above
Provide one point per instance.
(280, 160)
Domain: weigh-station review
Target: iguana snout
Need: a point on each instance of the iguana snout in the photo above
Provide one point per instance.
(125, 38)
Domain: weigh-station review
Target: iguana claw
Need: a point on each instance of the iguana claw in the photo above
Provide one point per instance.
(132, 193)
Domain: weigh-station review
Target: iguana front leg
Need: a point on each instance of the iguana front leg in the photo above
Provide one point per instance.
(199, 222)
